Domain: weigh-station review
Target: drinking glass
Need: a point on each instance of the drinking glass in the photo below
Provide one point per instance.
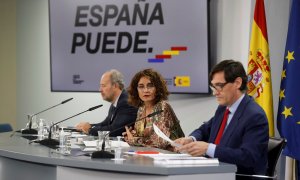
(54, 130)
(31, 118)
(102, 135)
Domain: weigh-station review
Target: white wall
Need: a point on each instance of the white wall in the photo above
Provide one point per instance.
(277, 13)
(230, 30)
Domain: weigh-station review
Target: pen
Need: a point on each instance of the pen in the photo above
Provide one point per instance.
(147, 152)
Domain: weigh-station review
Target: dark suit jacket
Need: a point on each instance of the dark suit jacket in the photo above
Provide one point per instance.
(245, 141)
(123, 114)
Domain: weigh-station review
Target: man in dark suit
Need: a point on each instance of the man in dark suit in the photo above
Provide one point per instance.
(120, 112)
(238, 135)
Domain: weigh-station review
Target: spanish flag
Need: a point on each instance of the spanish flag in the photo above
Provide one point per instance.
(182, 81)
(259, 70)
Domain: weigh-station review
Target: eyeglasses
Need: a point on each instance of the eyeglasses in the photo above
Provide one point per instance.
(218, 86)
(149, 87)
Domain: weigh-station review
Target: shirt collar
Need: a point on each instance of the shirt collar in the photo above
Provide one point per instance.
(236, 104)
(116, 101)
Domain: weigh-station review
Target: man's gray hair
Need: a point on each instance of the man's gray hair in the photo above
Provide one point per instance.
(117, 77)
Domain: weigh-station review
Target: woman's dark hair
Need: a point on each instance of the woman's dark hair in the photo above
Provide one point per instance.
(158, 81)
(232, 70)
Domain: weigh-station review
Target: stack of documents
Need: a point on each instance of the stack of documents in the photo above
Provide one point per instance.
(182, 159)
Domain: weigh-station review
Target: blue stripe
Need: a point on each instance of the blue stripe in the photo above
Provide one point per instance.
(155, 60)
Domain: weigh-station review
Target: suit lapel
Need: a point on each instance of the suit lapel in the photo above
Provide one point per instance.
(235, 120)
(218, 120)
(113, 110)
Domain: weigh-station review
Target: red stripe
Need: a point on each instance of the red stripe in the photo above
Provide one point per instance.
(260, 17)
(163, 56)
(179, 48)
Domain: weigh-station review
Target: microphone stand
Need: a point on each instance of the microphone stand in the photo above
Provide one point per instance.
(34, 131)
(106, 154)
(53, 143)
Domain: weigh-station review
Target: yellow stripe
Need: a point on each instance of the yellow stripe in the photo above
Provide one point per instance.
(167, 52)
(257, 38)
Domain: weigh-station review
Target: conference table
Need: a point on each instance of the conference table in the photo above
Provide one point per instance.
(22, 160)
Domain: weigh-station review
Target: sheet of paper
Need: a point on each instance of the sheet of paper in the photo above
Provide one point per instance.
(89, 149)
(188, 161)
(77, 135)
(167, 156)
(113, 144)
(122, 144)
(162, 135)
(90, 143)
(182, 159)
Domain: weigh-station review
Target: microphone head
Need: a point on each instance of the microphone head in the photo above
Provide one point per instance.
(66, 100)
(95, 107)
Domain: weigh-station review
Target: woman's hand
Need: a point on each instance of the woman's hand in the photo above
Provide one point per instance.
(128, 135)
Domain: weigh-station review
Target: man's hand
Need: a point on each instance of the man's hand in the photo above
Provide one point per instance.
(184, 140)
(84, 127)
(197, 148)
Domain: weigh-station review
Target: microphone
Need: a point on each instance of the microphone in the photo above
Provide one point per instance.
(34, 131)
(52, 143)
(107, 155)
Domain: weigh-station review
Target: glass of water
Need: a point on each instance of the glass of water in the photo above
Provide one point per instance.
(103, 136)
(32, 118)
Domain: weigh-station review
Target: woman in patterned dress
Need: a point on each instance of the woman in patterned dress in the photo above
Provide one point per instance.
(148, 92)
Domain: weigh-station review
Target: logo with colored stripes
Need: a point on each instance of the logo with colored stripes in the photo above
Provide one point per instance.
(167, 54)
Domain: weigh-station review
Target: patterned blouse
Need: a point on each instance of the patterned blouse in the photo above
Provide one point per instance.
(167, 122)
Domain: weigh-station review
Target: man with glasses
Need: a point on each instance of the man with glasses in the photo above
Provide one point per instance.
(238, 131)
(120, 112)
